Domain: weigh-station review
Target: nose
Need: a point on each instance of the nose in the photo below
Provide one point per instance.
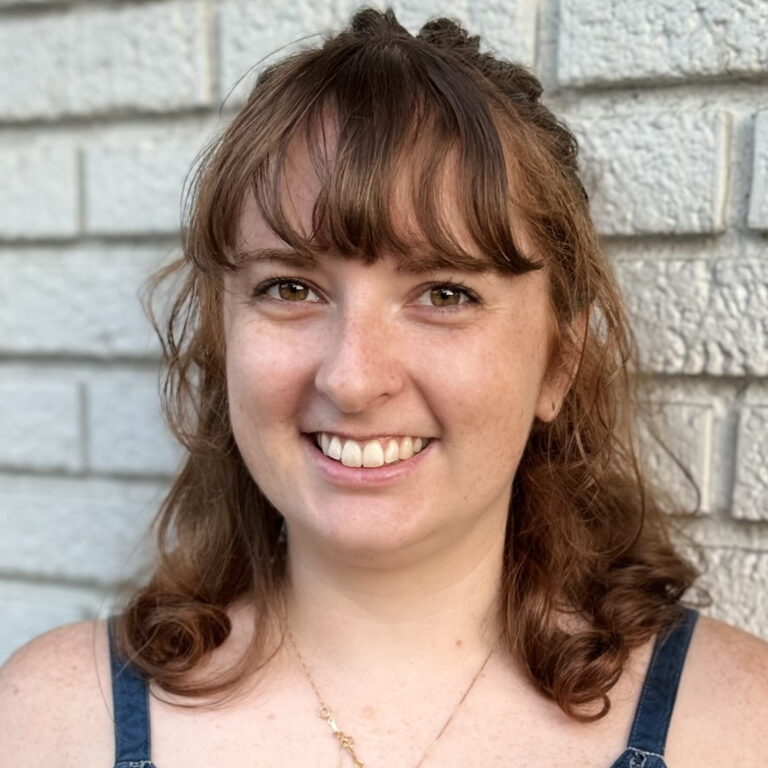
(360, 364)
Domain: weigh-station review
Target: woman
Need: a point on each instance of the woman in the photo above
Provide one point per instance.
(411, 529)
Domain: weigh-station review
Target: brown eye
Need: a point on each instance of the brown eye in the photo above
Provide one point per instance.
(291, 291)
(445, 296)
(287, 290)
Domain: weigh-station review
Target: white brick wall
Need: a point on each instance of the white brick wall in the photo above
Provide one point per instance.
(103, 109)
(75, 301)
(75, 528)
(40, 189)
(40, 423)
(149, 57)
(699, 316)
(750, 494)
(657, 174)
(614, 41)
(686, 431)
(132, 183)
(758, 199)
(736, 579)
(126, 432)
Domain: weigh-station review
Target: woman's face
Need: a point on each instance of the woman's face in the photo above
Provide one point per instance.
(369, 355)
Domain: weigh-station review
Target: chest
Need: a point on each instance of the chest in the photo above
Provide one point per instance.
(504, 722)
(493, 728)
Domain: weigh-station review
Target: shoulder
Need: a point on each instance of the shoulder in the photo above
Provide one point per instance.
(722, 703)
(55, 699)
(730, 662)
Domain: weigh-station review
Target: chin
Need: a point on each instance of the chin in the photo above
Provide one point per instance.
(365, 532)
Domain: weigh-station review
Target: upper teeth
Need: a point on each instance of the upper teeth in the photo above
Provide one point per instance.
(372, 453)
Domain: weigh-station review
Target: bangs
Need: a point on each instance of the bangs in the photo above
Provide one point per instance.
(406, 153)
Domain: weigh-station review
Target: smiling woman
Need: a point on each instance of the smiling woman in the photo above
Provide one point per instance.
(411, 504)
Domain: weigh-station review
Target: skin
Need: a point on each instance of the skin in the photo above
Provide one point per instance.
(367, 350)
(366, 354)
(392, 591)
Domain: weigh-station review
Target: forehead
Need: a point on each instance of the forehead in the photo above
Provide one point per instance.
(418, 217)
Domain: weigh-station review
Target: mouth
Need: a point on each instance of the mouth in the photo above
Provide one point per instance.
(354, 474)
(370, 453)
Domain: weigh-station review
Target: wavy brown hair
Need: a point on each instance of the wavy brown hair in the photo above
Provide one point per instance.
(589, 571)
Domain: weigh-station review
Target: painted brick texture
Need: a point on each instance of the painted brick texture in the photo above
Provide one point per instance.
(699, 316)
(39, 196)
(758, 199)
(684, 445)
(126, 432)
(40, 424)
(657, 174)
(73, 528)
(104, 107)
(736, 581)
(132, 183)
(83, 301)
(148, 57)
(615, 42)
(750, 495)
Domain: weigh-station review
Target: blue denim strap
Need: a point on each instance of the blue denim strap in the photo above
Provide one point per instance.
(131, 703)
(657, 699)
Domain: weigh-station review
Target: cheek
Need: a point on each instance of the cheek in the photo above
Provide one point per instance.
(266, 381)
(266, 375)
(486, 394)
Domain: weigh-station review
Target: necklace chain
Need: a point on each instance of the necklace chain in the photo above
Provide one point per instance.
(346, 742)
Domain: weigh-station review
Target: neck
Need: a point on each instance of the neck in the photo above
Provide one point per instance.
(435, 605)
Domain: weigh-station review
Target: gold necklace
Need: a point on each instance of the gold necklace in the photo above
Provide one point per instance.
(347, 742)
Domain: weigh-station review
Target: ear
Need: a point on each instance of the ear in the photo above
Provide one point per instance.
(562, 368)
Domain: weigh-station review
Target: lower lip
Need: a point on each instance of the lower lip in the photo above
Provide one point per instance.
(361, 477)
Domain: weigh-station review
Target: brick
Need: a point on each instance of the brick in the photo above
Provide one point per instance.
(507, 28)
(39, 191)
(149, 57)
(614, 42)
(83, 301)
(686, 430)
(736, 580)
(750, 492)
(134, 185)
(76, 528)
(25, 3)
(757, 218)
(249, 32)
(662, 173)
(699, 317)
(40, 424)
(126, 428)
(30, 609)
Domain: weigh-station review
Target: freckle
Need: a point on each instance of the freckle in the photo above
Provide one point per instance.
(459, 643)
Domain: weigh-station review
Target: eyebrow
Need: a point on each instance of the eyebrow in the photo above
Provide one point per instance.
(417, 263)
(283, 255)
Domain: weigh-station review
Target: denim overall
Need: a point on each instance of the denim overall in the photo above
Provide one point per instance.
(646, 740)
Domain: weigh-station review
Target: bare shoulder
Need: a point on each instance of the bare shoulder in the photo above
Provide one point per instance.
(55, 699)
(722, 704)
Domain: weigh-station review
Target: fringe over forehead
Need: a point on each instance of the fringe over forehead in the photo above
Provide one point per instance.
(394, 103)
